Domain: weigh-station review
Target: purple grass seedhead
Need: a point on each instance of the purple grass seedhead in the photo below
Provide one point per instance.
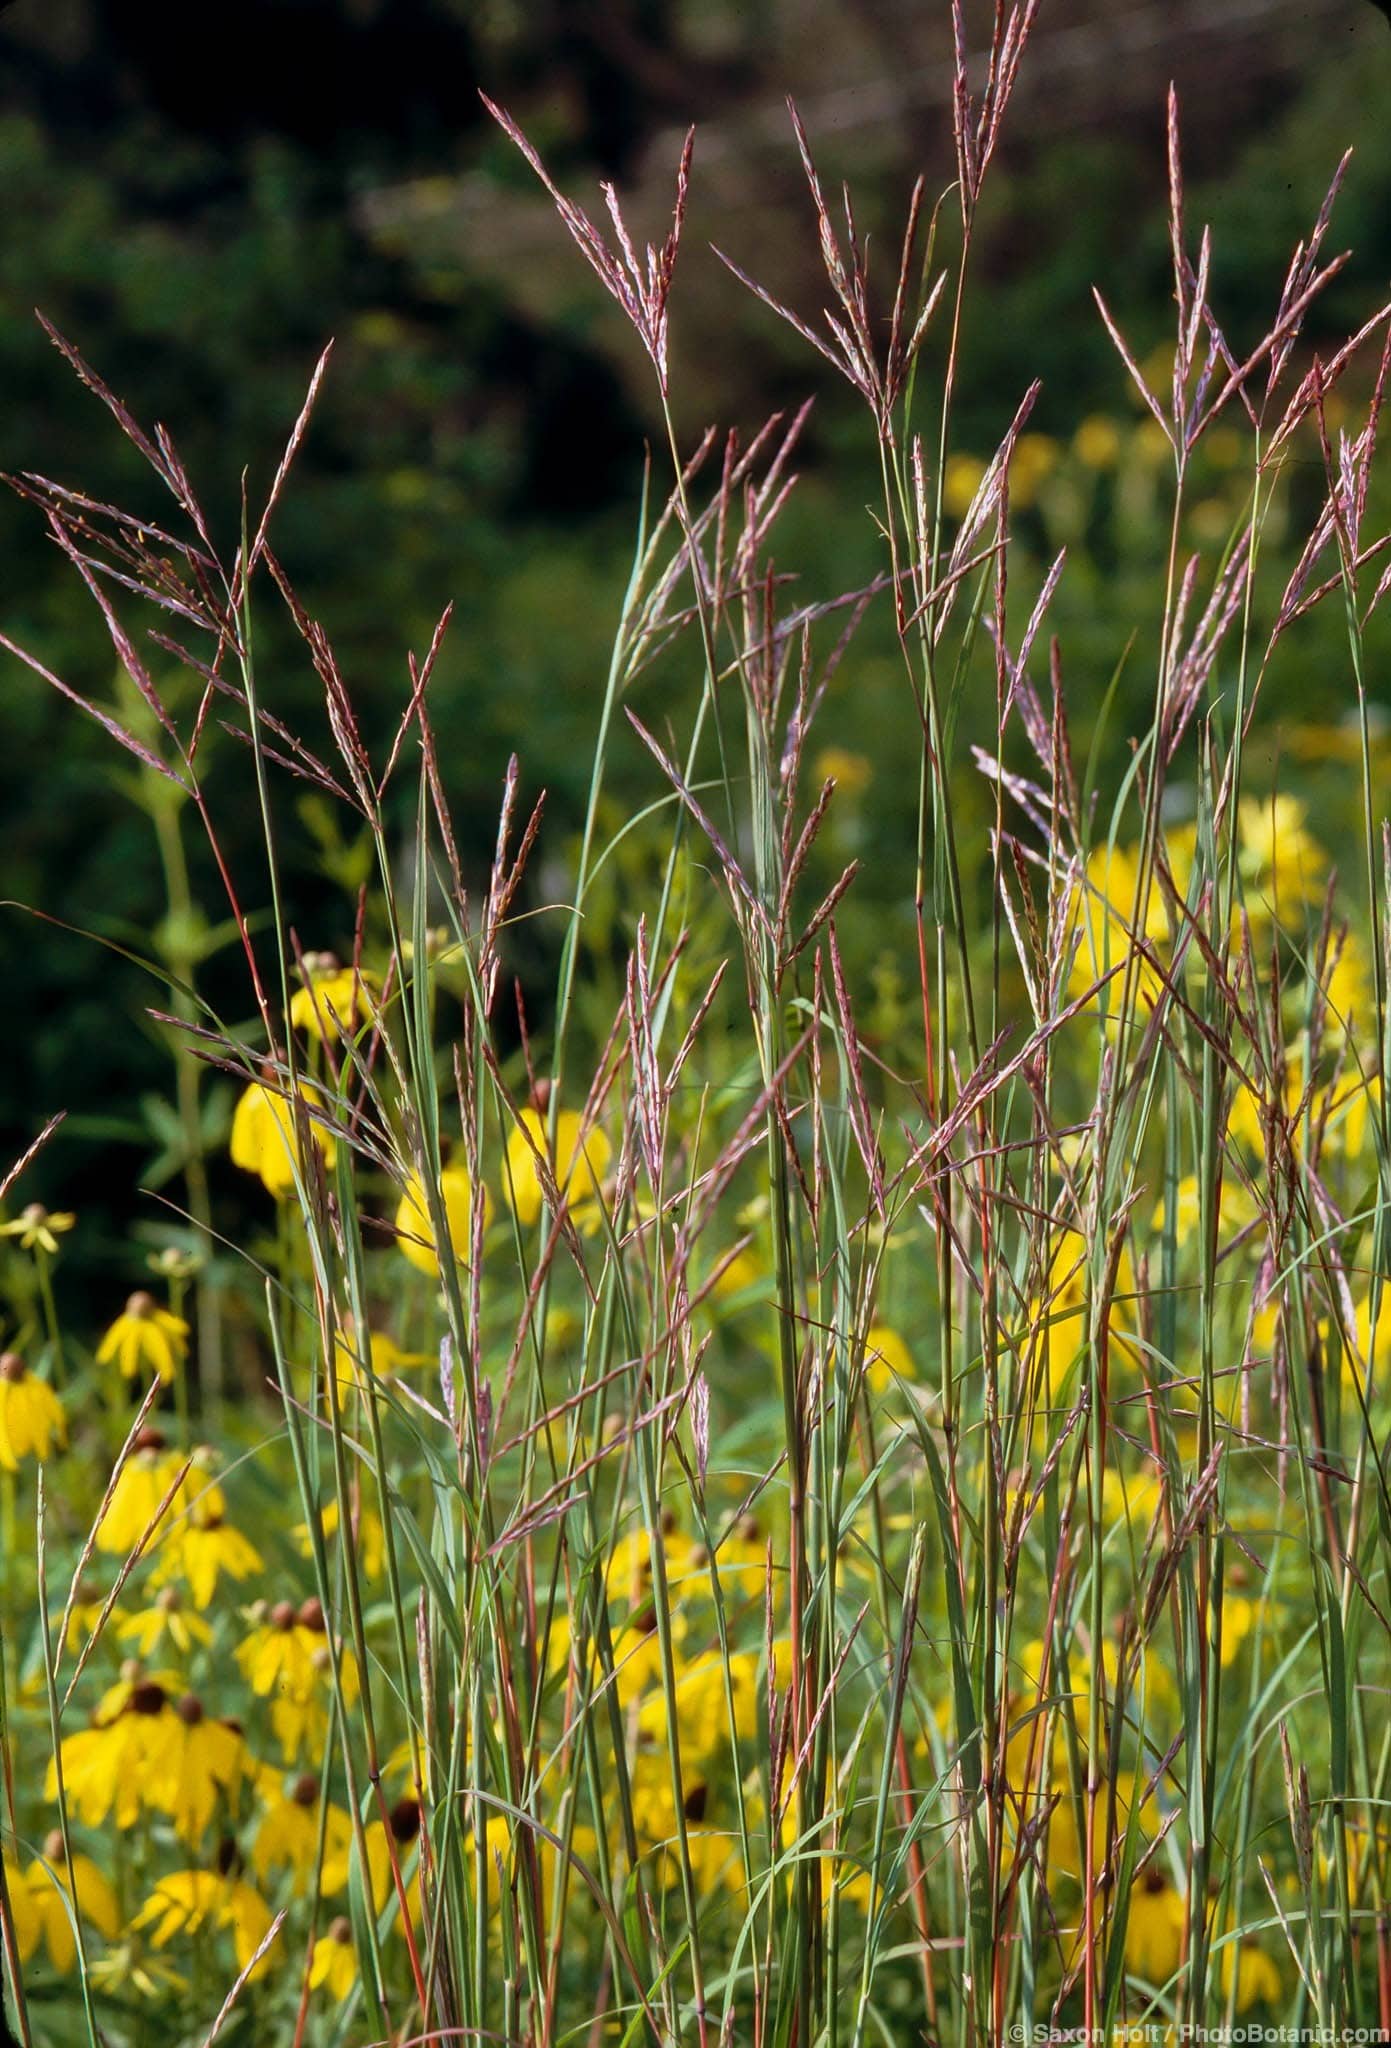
(642, 289)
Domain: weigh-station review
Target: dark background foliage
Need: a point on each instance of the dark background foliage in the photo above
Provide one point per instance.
(200, 197)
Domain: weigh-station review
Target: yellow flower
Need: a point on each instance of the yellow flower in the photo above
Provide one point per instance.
(1132, 1498)
(579, 1163)
(188, 1900)
(738, 1274)
(128, 1968)
(334, 999)
(383, 1356)
(82, 1621)
(200, 1549)
(629, 1574)
(1281, 862)
(144, 1479)
(134, 1680)
(167, 1617)
(1246, 1120)
(145, 1334)
(202, 1760)
(1097, 442)
(1240, 1618)
(334, 1962)
(850, 772)
(1236, 1210)
(1154, 1930)
(287, 1837)
(367, 1534)
(887, 1358)
(96, 1902)
(1349, 992)
(637, 1663)
(1063, 1312)
(741, 1561)
(111, 1767)
(288, 1661)
(1351, 1106)
(1257, 1980)
(702, 1711)
(415, 1233)
(1066, 1856)
(31, 1415)
(28, 1926)
(1035, 459)
(135, 1499)
(714, 1852)
(264, 1138)
(1103, 909)
(37, 1228)
(960, 481)
(381, 1848)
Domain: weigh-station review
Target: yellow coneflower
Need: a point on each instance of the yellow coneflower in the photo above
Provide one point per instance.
(1097, 442)
(38, 1229)
(1250, 1976)
(738, 1274)
(53, 1895)
(702, 1708)
(383, 1849)
(415, 1233)
(134, 1678)
(1060, 1318)
(31, 1415)
(202, 1763)
(110, 1768)
(24, 1914)
(144, 1479)
(578, 1163)
(741, 1561)
(189, 1900)
(334, 1963)
(168, 1616)
(1282, 863)
(130, 1967)
(334, 1000)
(287, 1836)
(368, 1535)
(145, 1335)
(887, 1358)
(265, 1141)
(287, 1660)
(200, 1549)
(378, 1354)
(961, 479)
(629, 1574)
(83, 1617)
(1155, 1928)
